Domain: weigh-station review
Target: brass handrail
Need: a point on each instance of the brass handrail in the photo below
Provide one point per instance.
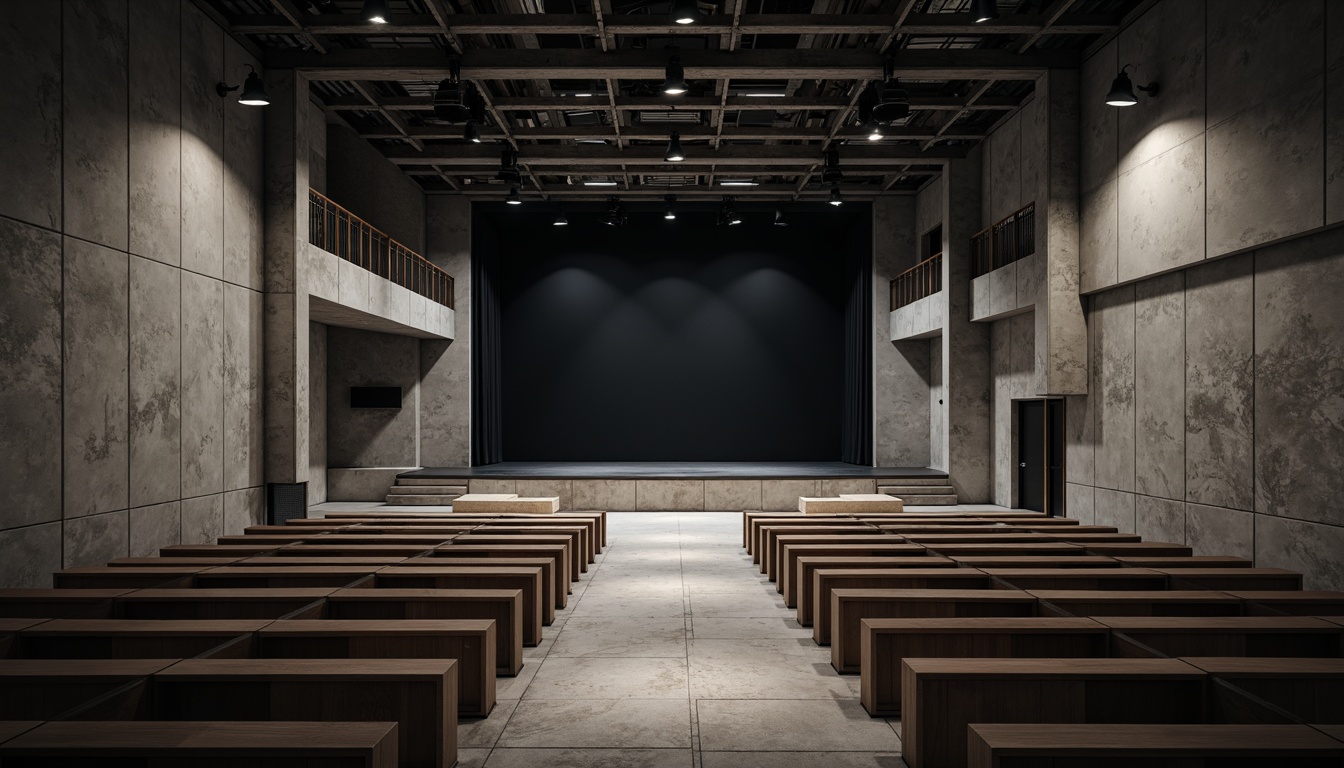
(1005, 241)
(922, 280)
(336, 230)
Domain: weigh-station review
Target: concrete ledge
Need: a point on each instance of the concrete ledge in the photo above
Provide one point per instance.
(507, 502)
(850, 503)
(362, 483)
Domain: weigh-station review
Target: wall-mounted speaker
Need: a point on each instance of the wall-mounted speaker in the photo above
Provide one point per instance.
(375, 397)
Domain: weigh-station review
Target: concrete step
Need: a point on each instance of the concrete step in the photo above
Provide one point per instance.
(917, 490)
(935, 500)
(432, 490)
(903, 481)
(422, 499)
(431, 481)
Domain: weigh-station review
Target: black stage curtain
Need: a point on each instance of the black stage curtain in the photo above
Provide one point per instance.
(856, 435)
(487, 414)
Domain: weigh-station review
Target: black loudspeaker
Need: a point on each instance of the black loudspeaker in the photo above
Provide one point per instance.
(285, 502)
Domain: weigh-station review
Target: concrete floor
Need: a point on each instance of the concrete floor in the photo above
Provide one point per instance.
(676, 653)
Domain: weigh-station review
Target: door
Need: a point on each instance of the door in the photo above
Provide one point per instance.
(1031, 455)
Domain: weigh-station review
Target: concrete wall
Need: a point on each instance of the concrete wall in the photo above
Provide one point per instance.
(900, 369)
(317, 413)
(445, 366)
(363, 181)
(374, 437)
(131, 344)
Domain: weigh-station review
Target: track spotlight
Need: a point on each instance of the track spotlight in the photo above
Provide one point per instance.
(674, 153)
(615, 213)
(514, 198)
(984, 10)
(684, 11)
(375, 12)
(560, 220)
(508, 168)
(780, 221)
(472, 132)
(727, 215)
(450, 99)
(253, 90)
(830, 170)
(674, 77)
(1122, 90)
(671, 214)
(836, 199)
(893, 103)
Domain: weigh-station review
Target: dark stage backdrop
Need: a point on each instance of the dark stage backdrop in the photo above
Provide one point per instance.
(670, 340)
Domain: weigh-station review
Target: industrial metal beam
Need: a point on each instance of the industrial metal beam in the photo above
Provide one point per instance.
(595, 156)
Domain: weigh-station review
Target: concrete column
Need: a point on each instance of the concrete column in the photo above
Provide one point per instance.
(900, 369)
(445, 366)
(286, 204)
(965, 345)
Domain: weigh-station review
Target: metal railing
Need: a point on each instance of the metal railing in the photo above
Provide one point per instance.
(1004, 242)
(923, 279)
(336, 230)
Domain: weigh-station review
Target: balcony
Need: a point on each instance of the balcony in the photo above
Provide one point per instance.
(918, 282)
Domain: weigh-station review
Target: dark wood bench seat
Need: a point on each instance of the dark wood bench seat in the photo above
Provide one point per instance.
(43, 689)
(1304, 603)
(504, 606)
(886, 643)
(1311, 690)
(577, 565)
(1036, 561)
(559, 555)
(776, 558)
(1042, 549)
(815, 602)
(175, 562)
(538, 604)
(354, 550)
(219, 550)
(57, 603)
(888, 546)
(941, 697)
(276, 561)
(420, 695)
(799, 577)
(549, 582)
(578, 536)
(1301, 636)
(1226, 579)
(1080, 578)
(1082, 602)
(105, 577)
(1139, 549)
(1114, 745)
(160, 604)
(470, 641)
(130, 638)
(121, 744)
(1194, 561)
(283, 577)
(767, 532)
(850, 606)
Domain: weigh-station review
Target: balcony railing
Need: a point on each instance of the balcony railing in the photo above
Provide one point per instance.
(336, 230)
(923, 279)
(1004, 242)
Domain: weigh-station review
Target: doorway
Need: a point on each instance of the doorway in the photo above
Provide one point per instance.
(1040, 456)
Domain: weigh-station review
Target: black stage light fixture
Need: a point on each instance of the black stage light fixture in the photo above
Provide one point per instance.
(451, 99)
(674, 153)
(684, 11)
(984, 10)
(674, 77)
(836, 199)
(376, 12)
(866, 122)
(472, 132)
(615, 213)
(560, 220)
(671, 213)
(780, 221)
(508, 168)
(893, 103)
(830, 170)
(727, 214)
(1122, 90)
(253, 92)
(514, 197)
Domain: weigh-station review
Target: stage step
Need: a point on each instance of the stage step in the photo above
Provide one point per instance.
(401, 489)
(422, 499)
(903, 482)
(435, 481)
(924, 494)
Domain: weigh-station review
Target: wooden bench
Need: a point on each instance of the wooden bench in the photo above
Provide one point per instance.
(183, 604)
(1232, 578)
(1039, 549)
(559, 555)
(420, 695)
(538, 605)
(276, 561)
(887, 546)
(470, 641)
(751, 520)
(765, 533)
(1301, 636)
(9, 630)
(1080, 578)
(886, 643)
(504, 606)
(121, 744)
(42, 689)
(1139, 549)
(578, 536)
(941, 697)
(1114, 745)
(57, 603)
(104, 577)
(218, 550)
(175, 562)
(1081, 602)
(577, 565)
(1311, 690)
(549, 583)
(129, 638)
(283, 577)
(794, 581)
(850, 606)
(1305, 603)
(814, 604)
(354, 550)
(1036, 561)
(1194, 561)
(933, 540)
(774, 556)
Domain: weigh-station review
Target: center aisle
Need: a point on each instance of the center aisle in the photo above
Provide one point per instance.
(676, 652)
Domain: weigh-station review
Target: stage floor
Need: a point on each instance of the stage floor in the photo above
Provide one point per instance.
(660, 470)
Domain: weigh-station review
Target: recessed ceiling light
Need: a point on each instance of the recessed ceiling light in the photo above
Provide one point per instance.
(739, 183)
(599, 183)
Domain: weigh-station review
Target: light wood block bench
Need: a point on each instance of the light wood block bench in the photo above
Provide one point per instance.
(886, 643)
(283, 577)
(42, 689)
(777, 558)
(794, 552)
(1194, 561)
(1036, 561)
(504, 606)
(121, 744)
(57, 603)
(1080, 578)
(1139, 549)
(420, 695)
(549, 584)
(1300, 636)
(1081, 602)
(183, 604)
(104, 577)
(506, 503)
(1311, 690)
(538, 605)
(470, 641)
(558, 554)
(1305, 603)
(941, 697)
(577, 565)
(850, 606)
(1233, 578)
(815, 603)
(1122, 746)
(130, 638)
(798, 579)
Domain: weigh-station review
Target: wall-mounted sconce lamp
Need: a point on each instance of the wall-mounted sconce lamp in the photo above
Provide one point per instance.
(1122, 90)
(253, 90)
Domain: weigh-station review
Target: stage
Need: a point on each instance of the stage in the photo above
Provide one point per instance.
(672, 470)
